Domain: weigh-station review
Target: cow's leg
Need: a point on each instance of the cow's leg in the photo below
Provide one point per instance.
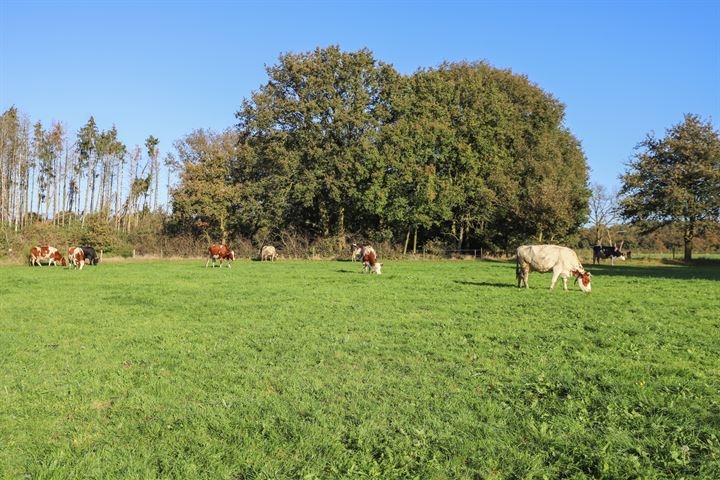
(555, 276)
(564, 279)
(612, 261)
(208, 262)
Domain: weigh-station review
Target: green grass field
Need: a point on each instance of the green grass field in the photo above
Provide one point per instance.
(313, 370)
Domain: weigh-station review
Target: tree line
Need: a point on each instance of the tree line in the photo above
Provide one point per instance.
(339, 144)
(48, 175)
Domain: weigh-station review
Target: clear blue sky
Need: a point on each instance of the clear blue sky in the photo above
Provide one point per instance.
(623, 69)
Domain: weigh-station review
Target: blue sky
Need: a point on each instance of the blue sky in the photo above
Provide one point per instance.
(622, 69)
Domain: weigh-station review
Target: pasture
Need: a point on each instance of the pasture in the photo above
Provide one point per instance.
(301, 369)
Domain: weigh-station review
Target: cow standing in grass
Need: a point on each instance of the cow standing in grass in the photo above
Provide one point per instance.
(77, 257)
(370, 263)
(359, 251)
(268, 251)
(562, 261)
(51, 254)
(91, 257)
(220, 252)
(600, 252)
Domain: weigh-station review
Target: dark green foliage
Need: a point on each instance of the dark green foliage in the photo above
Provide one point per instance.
(339, 142)
(676, 179)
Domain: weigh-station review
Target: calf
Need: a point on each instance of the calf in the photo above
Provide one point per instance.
(220, 252)
(543, 258)
(600, 252)
(268, 251)
(77, 257)
(48, 253)
(371, 264)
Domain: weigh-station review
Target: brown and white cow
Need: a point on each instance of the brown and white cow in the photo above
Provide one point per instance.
(51, 254)
(562, 261)
(268, 251)
(220, 252)
(370, 263)
(359, 251)
(77, 257)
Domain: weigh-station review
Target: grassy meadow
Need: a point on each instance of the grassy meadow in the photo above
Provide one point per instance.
(302, 369)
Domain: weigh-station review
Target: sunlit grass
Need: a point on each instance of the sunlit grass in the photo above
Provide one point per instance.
(313, 370)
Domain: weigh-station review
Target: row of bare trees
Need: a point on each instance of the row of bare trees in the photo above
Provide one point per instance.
(47, 175)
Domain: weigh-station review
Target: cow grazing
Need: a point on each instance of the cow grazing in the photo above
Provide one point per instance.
(220, 252)
(268, 251)
(77, 257)
(371, 264)
(359, 251)
(562, 261)
(51, 254)
(600, 252)
(91, 257)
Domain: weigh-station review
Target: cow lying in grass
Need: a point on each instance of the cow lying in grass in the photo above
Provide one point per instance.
(562, 261)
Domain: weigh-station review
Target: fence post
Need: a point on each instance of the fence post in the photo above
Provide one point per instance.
(474, 253)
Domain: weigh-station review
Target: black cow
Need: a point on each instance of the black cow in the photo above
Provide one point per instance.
(600, 253)
(90, 255)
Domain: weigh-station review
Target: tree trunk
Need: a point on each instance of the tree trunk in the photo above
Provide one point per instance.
(688, 238)
(341, 228)
(415, 241)
(407, 241)
(461, 237)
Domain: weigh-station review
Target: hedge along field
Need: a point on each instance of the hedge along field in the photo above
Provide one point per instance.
(305, 369)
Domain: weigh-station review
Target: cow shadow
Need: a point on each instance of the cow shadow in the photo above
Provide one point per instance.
(342, 270)
(485, 284)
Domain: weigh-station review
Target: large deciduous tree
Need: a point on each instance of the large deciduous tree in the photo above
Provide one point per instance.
(206, 198)
(675, 179)
(318, 118)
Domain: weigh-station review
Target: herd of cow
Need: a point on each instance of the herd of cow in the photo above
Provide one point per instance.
(77, 256)
(563, 262)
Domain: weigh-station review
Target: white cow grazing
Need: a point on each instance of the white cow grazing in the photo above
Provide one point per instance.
(268, 251)
(543, 258)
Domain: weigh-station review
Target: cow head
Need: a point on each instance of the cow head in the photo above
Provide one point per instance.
(377, 268)
(582, 278)
(57, 257)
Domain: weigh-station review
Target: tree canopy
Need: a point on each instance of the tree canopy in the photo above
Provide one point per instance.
(675, 179)
(339, 142)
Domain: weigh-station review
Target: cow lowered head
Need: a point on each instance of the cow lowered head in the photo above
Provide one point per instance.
(582, 278)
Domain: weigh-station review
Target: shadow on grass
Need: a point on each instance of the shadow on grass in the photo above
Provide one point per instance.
(704, 271)
(342, 270)
(486, 284)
